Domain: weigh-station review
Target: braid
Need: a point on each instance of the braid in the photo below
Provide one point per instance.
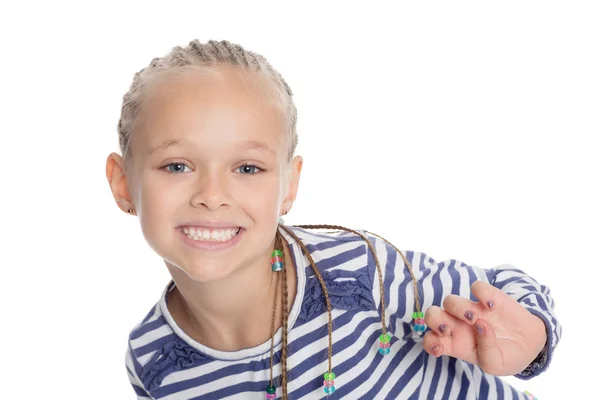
(284, 340)
(204, 57)
(326, 295)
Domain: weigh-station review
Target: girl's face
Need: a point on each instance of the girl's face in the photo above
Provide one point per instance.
(209, 152)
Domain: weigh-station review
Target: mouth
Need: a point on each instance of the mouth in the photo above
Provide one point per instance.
(200, 234)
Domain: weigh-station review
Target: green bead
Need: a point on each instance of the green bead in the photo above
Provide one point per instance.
(329, 376)
(419, 315)
(415, 315)
(385, 338)
(270, 389)
(276, 252)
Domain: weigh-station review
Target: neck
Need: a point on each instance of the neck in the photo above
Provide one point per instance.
(230, 314)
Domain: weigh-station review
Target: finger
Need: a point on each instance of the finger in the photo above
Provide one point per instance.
(433, 344)
(462, 308)
(488, 352)
(486, 294)
(436, 319)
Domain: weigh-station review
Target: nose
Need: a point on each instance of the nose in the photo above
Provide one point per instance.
(211, 191)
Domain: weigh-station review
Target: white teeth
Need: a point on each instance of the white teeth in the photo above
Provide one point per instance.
(216, 235)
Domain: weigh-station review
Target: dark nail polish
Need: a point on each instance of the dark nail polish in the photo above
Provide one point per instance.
(442, 328)
(480, 329)
(469, 315)
(490, 304)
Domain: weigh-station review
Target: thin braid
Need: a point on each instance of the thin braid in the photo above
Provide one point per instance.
(410, 270)
(381, 291)
(284, 345)
(273, 326)
(320, 278)
(381, 288)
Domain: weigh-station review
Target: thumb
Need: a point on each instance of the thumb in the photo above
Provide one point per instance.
(488, 352)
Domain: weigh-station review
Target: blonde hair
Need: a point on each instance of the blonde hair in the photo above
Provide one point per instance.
(203, 58)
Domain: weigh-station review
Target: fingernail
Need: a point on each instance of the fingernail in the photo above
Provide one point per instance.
(442, 328)
(469, 315)
(480, 329)
(435, 348)
(490, 304)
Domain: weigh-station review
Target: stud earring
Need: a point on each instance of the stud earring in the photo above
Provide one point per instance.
(129, 210)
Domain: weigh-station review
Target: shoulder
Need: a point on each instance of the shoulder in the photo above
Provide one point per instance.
(155, 351)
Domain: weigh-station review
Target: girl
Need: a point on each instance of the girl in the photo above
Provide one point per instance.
(257, 309)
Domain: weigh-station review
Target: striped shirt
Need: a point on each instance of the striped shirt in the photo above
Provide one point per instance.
(164, 363)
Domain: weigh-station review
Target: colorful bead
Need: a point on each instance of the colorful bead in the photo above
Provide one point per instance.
(271, 396)
(418, 315)
(276, 252)
(278, 266)
(329, 389)
(329, 376)
(419, 321)
(270, 389)
(384, 351)
(384, 345)
(384, 338)
(276, 259)
(420, 328)
(530, 396)
(328, 382)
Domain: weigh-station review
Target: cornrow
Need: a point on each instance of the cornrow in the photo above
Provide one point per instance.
(202, 57)
(278, 244)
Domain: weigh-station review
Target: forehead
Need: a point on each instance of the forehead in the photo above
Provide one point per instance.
(229, 106)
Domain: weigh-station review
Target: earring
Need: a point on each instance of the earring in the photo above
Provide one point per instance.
(281, 221)
(129, 210)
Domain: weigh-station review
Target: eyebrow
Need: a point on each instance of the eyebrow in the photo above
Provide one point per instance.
(256, 145)
(247, 144)
(165, 145)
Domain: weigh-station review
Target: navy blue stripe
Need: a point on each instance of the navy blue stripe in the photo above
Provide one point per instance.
(313, 247)
(435, 380)
(336, 260)
(155, 345)
(450, 379)
(464, 385)
(150, 326)
(438, 289)
(455, 276)
(409, 373)
(149, 315)
(499, 387)
(344, 367)
(484, 388)
(472, 279)
(385, 376)
(260, 365)
(136, 364)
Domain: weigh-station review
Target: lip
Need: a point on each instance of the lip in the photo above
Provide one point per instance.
(209, 224)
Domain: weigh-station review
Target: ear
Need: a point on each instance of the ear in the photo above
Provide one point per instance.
(297, 163)
(115, 173)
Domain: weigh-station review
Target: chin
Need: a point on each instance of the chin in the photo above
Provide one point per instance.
(202, 272)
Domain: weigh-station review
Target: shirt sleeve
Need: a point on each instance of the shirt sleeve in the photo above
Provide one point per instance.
(137, 385)
(437, 280)
(537, 300)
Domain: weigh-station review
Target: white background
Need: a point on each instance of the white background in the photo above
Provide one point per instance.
(464, 130)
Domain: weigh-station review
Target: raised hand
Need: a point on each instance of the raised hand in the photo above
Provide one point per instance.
(497, 333)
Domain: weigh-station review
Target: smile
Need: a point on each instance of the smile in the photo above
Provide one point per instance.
(210, 235)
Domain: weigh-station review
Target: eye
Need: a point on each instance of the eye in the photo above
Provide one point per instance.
(175, 167)
(249, 169)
